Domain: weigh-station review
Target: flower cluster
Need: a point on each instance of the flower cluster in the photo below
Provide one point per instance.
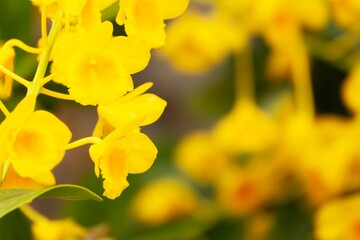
(81, 53)
(260, 155)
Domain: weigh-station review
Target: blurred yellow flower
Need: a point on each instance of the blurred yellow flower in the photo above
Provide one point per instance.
(96, 66)
(246, 129)
(339, 219)
(144, 19)
(346, 12)
(164, 200)
(194, 44)
(123, 151)
(65, 229)
(199, 157)
(243, 190)
(350, 90)
(331, 142)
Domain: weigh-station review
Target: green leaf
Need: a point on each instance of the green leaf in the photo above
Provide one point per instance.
(11, 199)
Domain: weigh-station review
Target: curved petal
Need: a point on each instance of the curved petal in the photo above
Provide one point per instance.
(173, 8)
(134, 55)
(148, 106)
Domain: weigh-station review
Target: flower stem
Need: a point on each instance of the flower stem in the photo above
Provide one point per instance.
(244, 77)
(4, 109)
(45, 56)
(14, 76)
(302, 80)
(81, 142)
(32, 214)
(54, 94)
(17, 43)
(44, 35)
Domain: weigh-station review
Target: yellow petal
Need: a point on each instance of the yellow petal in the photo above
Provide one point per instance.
(73, 8)
(135, 55)
(149, 107)
(120, 153)
(173, 8)
(143, 21)
(13, 181)
(34, 149)
(58, 229)
(143, 152)
(12, 122)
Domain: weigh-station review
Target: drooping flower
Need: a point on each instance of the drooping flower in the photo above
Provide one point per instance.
(32, 140)
(96, 66)
(339, 219)
(325, 153)
(164, 200)
(257, 130)
(346, 12)
(198, 156)
(194, 44)
(45, 229)
(242, 190)
(350, 90)
(144, 19)
(123, 151)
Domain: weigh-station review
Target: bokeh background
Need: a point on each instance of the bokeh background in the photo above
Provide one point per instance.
(196, 101)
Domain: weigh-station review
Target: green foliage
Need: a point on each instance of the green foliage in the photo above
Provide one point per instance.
(15, 226)
(12, 199)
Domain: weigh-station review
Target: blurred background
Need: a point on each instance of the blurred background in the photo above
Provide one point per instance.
(260, 132)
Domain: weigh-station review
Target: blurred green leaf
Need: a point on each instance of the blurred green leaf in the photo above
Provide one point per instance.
(11, 199)
(19, 13)
(15, 226)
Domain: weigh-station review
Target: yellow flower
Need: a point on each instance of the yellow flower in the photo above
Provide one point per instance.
(325, 157)
(350, 90)
(281, 21)
(65, 229)
(12, 180)
(164, 200)
(123, 151)
(96, 66)
(7, 56)
(71, 8)
(346, 12)
(281, 13)
(339, 219)
(194, 44)
(246, 129)
(32, 141)
(79, 14)
(144, 19)
(134, 105)
(199, 157)
(242, 190)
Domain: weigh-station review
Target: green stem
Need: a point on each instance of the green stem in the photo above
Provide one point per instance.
(244, 77)
(45, 56)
